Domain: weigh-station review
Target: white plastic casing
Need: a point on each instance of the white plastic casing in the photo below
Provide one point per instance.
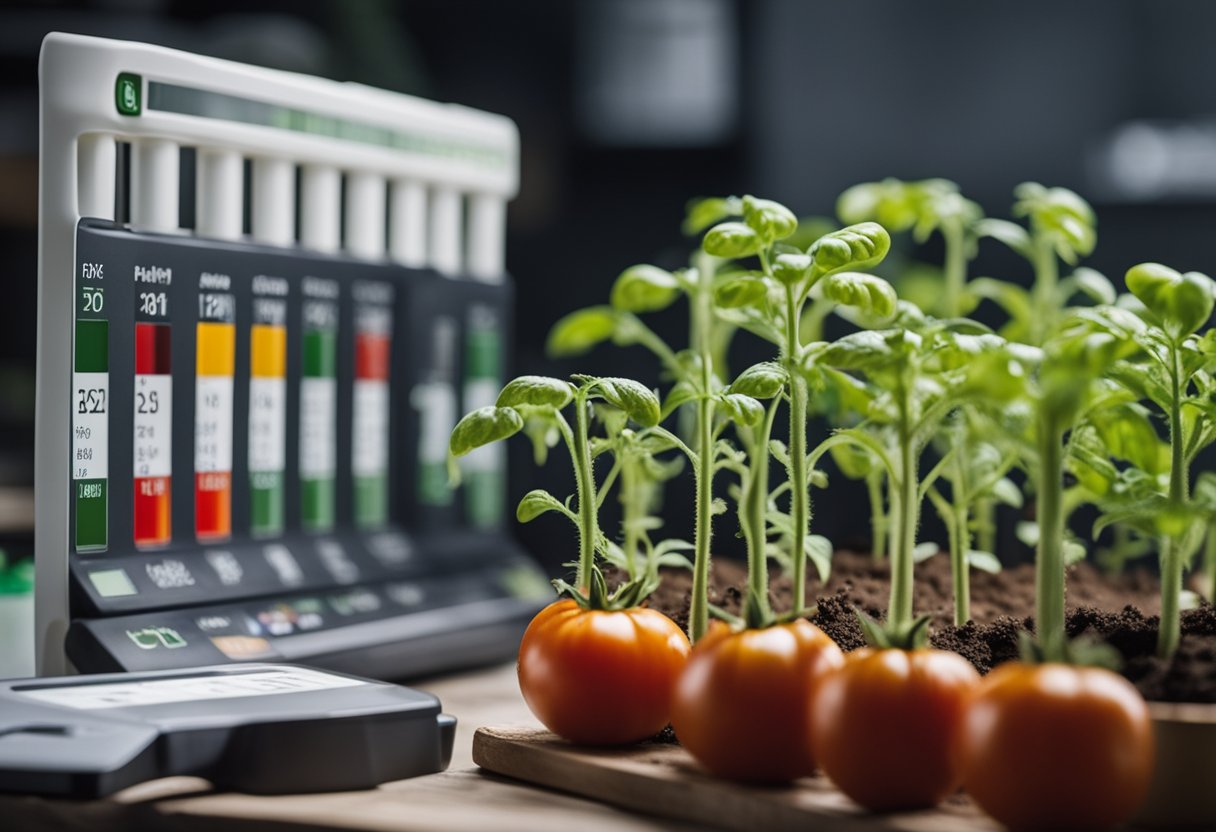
(423, 190)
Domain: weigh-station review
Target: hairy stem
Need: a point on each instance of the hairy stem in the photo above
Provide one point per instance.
(961, 539)
(1171, 552)
(800, 509)
(756, 498)
(955, 267)
(1049, 556)
(1209, 561)
(584, 473)
(899, 608)
(702, 320)
(1046, 280)
(878, 514)
(631, 514)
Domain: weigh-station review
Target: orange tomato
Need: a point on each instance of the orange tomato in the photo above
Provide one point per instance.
(1053, 746)
(884, 726)
(600, 677)
(740, 707)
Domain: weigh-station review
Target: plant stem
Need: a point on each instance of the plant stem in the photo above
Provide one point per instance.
(1046, 279)
(584, 474)
(799, 498)
(955, 267)
(878, 514)
(1049, 557)
(631, 512)
(985, 526)
(899, 609)
(702, 320)
(961, 538)
(1209, 560)
(960, 567)
(757, 504)
(1171, 552)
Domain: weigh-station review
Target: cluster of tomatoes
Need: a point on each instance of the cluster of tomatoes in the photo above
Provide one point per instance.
(1037, 746)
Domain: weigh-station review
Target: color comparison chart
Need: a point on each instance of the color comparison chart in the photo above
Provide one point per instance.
(261, 379)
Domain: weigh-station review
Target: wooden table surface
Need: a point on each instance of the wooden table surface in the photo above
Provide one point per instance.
(462, 798)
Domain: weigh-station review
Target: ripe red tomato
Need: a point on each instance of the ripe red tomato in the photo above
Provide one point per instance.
(884, 726)
(741, 705)
(1056, 746)
(598, 677)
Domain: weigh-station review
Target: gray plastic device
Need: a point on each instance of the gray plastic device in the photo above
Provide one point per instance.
(255, 728)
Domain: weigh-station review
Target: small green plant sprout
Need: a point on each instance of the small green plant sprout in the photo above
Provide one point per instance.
(639, 474)
(1062, 226)
(917, 372)
(769, 302)
(541, 400)
(923, 207)
(1171, 371)
(696, 371)
(1064, 384)
(975, 470)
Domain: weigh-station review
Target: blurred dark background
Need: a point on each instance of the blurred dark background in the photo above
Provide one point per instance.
(628, 108)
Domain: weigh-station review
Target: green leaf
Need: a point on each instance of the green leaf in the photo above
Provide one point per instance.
(736, 292)
(644, 288)
(681, 394)
(636, 399)
(1013, 299)
(535, 503)
(1006, 491)
(889, 202)
(1094, 285)
(984, 561)
(536, 391)
(483, 426)
(732, 239)
(854, 247)
(1073, 552)
(741, 409)
(790, 269)
(1009, 233)
(866, 349)
(581, 330)
(700, 214)
(818, 551)
(870, 294)
(771, 220)
(1027, 531)
(1183, 302)
(1061, 216)
(761, 381)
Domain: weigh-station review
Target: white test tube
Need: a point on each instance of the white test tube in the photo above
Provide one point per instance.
(273, 197)
(365, 207)
(96, 174)
(320, 208)
(219, 194)
(487, 233)
(407, 223)
(446, 221)
(155, 165)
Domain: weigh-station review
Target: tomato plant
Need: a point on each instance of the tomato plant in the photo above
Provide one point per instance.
(884, 726)
(740, 707)
(1053, 746)
(594, 668)
(601, 677)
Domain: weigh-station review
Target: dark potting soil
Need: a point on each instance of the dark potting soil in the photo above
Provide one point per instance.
(1119, 610)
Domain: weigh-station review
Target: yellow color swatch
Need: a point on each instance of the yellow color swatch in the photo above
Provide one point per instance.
(268, 351)
(215, 349)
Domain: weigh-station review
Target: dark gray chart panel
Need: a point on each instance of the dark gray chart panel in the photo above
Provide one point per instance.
(259, 443)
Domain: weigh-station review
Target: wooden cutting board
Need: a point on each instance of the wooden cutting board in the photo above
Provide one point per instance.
(663, 780)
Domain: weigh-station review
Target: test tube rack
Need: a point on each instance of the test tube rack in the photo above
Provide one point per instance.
(243, 397)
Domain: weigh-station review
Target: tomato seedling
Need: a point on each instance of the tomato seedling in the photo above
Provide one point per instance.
(594, 653)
